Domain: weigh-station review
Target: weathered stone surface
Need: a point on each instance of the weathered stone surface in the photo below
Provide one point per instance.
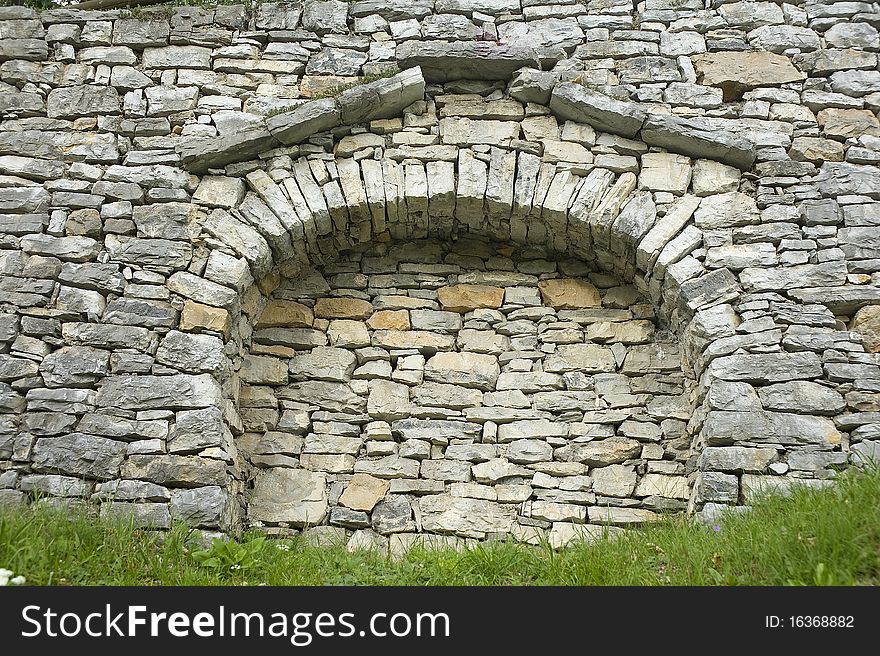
(577, 103)
(813, 149)
(199, 154)
(661, 485)
(389, 467)
(174, 56)
(343, 308)
(197, 317)
(71, 249)
(79, 455)
(726, 210)
(159, 392)
(296, 126)
(867, 323)
(827, 274)
(588, 358)
(614, 480)
(463, 60)
(191, 353)
(290, 314)
(801, 396)
(336, 61)
(466, 369)
(76, 101)
(204, 507)
(621, 516)
(465, 517)
(569, 294)
(176, 471)
(737, 72)
(220, 191)
(412, 339)
(323, 363)
(839, 179)
(363, 492)
(737, 459)
(31, 168)
(691, 137)
(389, 320)
(531, 85)
(467, 132)
(531, 429)
(437, 431)
(437, 321)
(465, 298)
(336, 397)
(154, 252)
(74, 366)
(723, 427)
(241, 238)
(293, 496)
(388, 400)
(600, 452)
(766, 368)
(195, 430)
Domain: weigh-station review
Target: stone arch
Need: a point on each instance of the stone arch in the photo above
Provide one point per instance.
(591, 212)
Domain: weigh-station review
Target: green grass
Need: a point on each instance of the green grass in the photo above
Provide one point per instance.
(827, 537)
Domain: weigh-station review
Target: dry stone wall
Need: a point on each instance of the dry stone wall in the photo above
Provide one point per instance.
(168, 179)
(461, 388)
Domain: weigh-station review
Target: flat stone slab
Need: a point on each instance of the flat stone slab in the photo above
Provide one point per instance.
(691, 137)
(575, 102)
(478, 60)
(293, 496)
(383, 98)
(201, 154)
(737, 72)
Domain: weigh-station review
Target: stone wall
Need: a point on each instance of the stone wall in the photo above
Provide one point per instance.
(483, 387)
(166, 177)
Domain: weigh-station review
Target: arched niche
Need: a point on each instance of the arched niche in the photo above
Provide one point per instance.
(464, 387)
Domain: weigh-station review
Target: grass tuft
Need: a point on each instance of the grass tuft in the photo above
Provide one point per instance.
(331, 92)
(815, 537)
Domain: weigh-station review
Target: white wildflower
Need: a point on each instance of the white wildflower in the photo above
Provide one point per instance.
(6, 578)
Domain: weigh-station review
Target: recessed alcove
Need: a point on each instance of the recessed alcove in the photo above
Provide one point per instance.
(465, 387)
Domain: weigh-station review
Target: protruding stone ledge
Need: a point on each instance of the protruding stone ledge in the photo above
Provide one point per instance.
(380, 99)
(477, 60)
(199, 155)
(691, 137)
(306, 120)
(686, 136)
(575, 102)
(389, 97)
